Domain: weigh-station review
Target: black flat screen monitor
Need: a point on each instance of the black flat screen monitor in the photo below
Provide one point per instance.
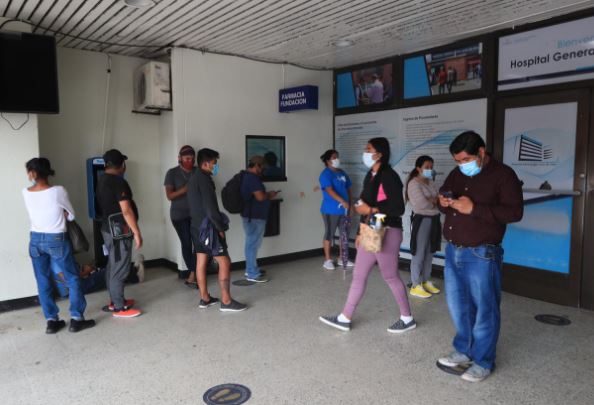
(28, 73)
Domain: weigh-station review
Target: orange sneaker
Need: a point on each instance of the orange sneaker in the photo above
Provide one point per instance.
(127, 313)
(127, 304)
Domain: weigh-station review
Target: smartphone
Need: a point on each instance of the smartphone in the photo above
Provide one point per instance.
(447, 194)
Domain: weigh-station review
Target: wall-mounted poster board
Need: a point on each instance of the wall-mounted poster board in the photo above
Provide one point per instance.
(412, 132)
(556, 54)
(443, 72)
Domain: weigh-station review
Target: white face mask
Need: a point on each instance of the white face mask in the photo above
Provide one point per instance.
(368, 159)
(335, 163)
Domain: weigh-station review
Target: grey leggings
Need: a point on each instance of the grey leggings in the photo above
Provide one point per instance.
(421, 262)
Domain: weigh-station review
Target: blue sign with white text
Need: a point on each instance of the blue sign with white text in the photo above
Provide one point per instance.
(298, 98)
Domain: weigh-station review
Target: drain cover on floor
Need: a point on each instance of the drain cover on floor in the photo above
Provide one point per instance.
(553, 319)
(228, 394)
(243, 283)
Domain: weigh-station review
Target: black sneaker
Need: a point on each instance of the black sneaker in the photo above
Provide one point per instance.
(335, 323)
(401, 327)
(54, 326)
(259, 279)
(205, 304)
(78, 325)
(233, 306)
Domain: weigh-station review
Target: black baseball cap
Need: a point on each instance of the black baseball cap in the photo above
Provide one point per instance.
(114, 157)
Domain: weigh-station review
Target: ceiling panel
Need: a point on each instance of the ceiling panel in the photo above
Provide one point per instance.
(295, 31)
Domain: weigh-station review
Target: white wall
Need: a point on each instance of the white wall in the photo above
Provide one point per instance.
(217, 101)
(220, 99)
(16, 272)
(74, 135)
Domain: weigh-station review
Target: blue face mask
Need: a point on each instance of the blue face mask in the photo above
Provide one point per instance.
(470, 168)
(428, 173)
(368, 159)
(215, 169)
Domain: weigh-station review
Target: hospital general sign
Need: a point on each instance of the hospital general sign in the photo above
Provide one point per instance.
(556, 54)
(298, 98)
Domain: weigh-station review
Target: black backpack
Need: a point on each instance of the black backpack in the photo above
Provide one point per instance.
(231, 194)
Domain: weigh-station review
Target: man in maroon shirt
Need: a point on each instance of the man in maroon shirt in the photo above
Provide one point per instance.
(479, 198)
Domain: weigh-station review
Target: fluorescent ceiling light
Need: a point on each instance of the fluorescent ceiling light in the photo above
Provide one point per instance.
(139, 3)
(342, 43)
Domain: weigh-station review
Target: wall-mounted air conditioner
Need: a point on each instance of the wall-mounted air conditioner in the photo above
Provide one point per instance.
(152, 87)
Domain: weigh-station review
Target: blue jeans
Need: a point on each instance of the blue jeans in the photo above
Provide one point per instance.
(51, 253)
(473, 294)
(254, 232)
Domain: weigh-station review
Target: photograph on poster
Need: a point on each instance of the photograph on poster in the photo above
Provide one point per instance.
(272, 148)
(363, 87)
(445, 72)
(539, 144)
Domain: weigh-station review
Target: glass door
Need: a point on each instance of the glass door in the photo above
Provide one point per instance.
(543, 137)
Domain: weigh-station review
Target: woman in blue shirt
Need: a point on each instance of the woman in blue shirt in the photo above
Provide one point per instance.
(336, 201)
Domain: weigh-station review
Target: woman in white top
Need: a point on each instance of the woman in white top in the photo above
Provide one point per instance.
(49, 247)
(426, 227)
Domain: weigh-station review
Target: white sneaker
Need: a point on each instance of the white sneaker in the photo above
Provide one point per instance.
(350, 264)
(329, 265)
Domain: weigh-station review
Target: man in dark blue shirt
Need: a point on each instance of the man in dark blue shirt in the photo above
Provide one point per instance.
(254, 215)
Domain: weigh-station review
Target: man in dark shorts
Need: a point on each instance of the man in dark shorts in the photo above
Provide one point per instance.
(208, 220)
(119, 228)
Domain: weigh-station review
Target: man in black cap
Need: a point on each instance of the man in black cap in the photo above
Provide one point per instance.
(119, 226)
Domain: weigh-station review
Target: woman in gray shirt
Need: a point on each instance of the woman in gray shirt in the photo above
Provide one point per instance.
(426, 227)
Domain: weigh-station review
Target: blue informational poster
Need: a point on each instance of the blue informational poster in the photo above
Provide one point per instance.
(345, 91)
(539, 144)
(416, 83)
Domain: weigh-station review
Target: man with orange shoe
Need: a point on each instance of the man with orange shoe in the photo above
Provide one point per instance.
(119, 229)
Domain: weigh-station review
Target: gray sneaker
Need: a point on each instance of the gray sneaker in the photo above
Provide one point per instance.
(476, 373)
(259, 279)
(335, 323)
(205, 304)
(455, 359)
(400, 326)
(233, 306)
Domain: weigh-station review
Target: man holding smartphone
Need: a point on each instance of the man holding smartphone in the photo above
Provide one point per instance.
(479, 198)
(254, 215)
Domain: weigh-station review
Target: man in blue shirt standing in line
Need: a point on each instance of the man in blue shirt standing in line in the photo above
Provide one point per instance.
(254, 215)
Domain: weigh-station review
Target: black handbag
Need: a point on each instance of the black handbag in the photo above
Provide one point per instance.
(77, 237)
